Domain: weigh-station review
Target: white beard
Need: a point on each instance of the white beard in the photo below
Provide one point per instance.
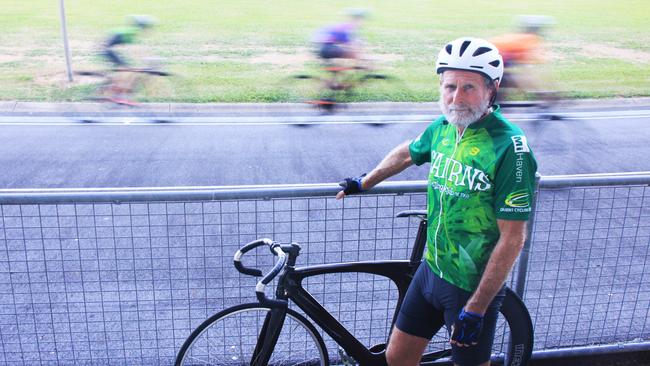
(463, 115)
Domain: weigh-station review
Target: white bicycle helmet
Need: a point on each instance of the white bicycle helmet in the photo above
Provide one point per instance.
(471, 54)
(535, 23)
(357, 13)
(142, 21)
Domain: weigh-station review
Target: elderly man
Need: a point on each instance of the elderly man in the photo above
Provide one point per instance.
(481, 185)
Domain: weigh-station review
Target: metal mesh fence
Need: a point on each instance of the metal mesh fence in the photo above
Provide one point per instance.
(106, 283)
(588, 278)
(126, 283)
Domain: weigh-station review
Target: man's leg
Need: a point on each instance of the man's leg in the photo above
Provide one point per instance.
(418, 320)
(405, 349)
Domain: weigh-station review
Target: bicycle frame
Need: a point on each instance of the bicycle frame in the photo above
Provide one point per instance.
(400, 272)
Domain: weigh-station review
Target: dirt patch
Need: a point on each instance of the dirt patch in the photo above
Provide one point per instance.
(625, 54)
(387, 57)
(81, 45)
(11, 54)
(277, 58)
(9, 58)
(561, 51)
(301, 57)
(552, 55)
(199, 58)
(61, 79)
(211, 47)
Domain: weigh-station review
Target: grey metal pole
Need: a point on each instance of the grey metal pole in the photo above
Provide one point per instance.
(64, 33)
(522, 269)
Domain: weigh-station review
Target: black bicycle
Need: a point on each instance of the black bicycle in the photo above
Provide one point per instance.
(268, 332)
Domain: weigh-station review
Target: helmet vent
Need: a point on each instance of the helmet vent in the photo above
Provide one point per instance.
(476, 67)
(495, 63)
(481, 50)
(448, 48)
(463, 47)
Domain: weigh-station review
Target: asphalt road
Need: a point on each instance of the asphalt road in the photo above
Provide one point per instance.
(126, 282)
(132, 151)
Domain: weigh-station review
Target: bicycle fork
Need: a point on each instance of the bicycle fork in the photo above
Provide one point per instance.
(268, 336)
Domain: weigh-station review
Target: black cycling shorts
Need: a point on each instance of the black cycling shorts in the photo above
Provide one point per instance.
(331, 50)
(112, 57)
(432, 302)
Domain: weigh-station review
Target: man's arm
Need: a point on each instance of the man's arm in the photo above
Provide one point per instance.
(511, 241)
(397, 160)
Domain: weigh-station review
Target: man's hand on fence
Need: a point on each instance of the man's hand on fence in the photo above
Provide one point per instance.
(351, 185)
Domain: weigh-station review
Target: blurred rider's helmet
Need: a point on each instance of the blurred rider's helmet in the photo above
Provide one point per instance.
(471, 54)
(357, 13)
(534, 23)
(142, 21)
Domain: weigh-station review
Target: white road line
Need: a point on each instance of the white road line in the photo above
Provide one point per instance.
(288, 120)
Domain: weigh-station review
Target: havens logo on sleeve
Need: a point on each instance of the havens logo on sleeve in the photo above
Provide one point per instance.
(518, 199)
(520, 143)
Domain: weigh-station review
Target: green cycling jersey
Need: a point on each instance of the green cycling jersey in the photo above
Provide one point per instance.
(484, 174)
(126, 35)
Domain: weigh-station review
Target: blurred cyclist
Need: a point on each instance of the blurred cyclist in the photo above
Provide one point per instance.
(123, 85)
(520, 51)
(340, 49)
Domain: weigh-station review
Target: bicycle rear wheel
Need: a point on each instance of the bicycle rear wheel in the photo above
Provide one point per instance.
(513, 342)
(229, 338)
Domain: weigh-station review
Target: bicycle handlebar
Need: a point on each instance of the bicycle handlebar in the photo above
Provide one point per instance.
(276, 249)
(283, 258)
(149, 71)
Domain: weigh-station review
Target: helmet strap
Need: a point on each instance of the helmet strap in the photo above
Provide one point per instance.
(493, 91)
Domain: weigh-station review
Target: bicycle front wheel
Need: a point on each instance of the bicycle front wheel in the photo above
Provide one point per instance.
(229, 337)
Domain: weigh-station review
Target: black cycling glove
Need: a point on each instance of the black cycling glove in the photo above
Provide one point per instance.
(352, 185)
(467, 328)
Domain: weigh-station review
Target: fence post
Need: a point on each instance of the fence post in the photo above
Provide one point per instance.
(522, 268)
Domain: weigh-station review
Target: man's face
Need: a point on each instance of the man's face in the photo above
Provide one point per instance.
(464, 97)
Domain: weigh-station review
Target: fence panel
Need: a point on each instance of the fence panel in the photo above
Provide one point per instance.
(86, 280)
(588, 279)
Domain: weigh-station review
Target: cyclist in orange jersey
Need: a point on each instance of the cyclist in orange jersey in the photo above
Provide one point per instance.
(520, 51)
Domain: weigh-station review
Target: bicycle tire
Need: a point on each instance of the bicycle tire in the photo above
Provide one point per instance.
(299, 342)
(520, 331)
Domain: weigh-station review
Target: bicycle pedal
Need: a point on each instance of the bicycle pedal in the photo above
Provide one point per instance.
(345, 359)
